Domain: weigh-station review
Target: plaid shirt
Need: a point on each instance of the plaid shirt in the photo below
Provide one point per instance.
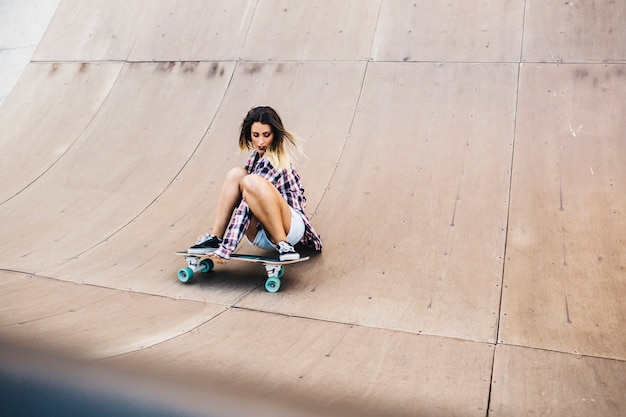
(287, 182)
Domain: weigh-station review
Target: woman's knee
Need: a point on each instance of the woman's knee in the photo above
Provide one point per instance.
(236, 174)
(257, 189)
(254, 183)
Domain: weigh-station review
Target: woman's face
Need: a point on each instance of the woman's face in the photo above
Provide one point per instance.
(262, 136)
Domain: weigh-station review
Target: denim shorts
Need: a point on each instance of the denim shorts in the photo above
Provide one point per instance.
(293, 237)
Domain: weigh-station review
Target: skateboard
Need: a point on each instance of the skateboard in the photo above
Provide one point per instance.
(197, 262)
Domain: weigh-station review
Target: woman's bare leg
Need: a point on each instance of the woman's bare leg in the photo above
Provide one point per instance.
(230, 196)
(268, 206)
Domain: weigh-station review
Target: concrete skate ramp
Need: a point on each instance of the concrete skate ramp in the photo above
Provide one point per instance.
(465, 167)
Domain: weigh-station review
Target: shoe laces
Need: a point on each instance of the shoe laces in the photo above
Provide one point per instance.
(203, 238)
(285, 247)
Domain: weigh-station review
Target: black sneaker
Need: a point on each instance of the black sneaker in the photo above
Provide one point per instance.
(205, 244)
(286, 252)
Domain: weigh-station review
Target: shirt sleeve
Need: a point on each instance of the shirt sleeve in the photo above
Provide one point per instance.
(235, 231)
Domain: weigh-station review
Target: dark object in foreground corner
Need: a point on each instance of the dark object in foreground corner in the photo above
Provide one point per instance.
(37, 383)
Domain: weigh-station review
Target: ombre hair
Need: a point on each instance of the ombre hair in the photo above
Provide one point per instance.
(278, 154)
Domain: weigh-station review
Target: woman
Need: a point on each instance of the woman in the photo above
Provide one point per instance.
(265, 195)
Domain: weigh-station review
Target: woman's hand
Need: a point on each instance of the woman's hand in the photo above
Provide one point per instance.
(218, 259)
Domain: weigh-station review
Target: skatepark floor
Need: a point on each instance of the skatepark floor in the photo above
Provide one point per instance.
(465, 167)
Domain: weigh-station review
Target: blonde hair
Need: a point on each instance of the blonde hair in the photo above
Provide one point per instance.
(279, 155)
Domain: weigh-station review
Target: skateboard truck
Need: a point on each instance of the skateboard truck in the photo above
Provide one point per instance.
(194, 265)
(274, 274)
(274, 270)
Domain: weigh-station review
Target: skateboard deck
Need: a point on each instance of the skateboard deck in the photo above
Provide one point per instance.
(197, 262)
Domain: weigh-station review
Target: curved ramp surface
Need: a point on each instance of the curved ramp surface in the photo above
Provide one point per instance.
(465, 167)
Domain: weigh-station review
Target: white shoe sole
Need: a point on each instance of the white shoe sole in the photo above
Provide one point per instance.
(289, 257)
(201, 251)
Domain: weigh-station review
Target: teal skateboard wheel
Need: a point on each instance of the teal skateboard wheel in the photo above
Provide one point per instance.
(272, 284)
(206, 265)
(281, 272)
(185, 274)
